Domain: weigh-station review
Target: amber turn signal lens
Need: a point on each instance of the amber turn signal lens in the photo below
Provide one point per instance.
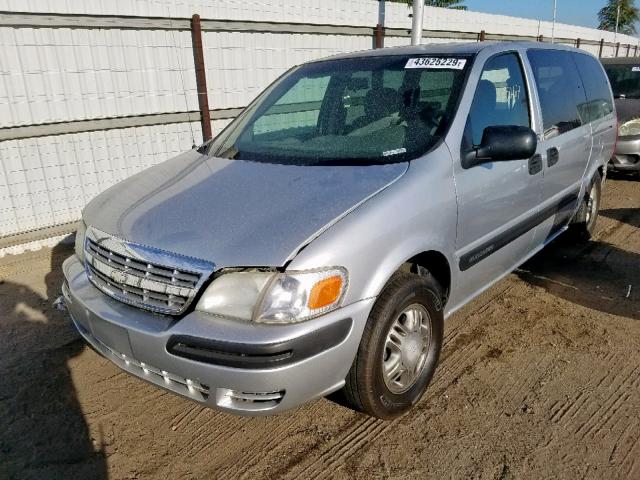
(325, 292)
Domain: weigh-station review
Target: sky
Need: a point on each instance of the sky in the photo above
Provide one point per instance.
(575, 12)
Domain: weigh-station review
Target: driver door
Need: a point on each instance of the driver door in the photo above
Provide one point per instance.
(497, 201)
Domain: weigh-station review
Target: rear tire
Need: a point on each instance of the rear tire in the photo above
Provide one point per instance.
(584, 223)
(399, 349)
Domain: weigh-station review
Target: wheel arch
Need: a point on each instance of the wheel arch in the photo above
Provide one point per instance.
(432, 262)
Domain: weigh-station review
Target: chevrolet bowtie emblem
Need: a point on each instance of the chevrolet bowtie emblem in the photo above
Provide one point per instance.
(118, 276)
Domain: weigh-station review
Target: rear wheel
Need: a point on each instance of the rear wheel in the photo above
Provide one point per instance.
(584, 223)
(399, 349)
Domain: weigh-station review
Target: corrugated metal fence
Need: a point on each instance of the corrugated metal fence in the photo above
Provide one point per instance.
(93, 91)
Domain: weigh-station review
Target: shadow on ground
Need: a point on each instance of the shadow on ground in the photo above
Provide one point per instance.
(42, 430)
(630, 216)
(598, 275)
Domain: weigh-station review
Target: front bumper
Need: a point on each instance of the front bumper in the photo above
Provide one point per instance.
(627, 155)
(230, 365)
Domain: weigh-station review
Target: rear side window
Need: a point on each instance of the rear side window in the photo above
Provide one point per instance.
(501, 97)
(599, 101)
(560, 90)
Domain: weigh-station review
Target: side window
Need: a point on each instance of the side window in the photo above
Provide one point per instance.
(599, 101)
(560, 90)
(298, 108)
(501, 97)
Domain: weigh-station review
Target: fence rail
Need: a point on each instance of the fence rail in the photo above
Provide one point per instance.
(126, 22)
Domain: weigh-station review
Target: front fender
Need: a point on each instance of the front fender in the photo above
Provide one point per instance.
(416, 214)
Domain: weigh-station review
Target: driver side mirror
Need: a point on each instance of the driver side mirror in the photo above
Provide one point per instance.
(502, 143)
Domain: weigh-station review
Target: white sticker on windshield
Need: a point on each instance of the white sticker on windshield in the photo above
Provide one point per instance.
(397, 151)
(437, 62)
(635, 69)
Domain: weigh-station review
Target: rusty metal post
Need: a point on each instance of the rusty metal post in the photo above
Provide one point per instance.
(578, 43)
(617, 49)
(201, 78)
(541, 38)
(482, 36)
(628, 49)
(379, 35)
(601, 48)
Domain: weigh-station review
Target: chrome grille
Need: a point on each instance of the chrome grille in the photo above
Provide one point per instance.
(141, 276)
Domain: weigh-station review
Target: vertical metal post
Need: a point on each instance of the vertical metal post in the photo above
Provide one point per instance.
(578, 42)
(615, 35)
(483, 35)
(628, 49)
(617, 49)
(201, 78)
(635, 51)
(601, 48)
(553, 27)
(379, 35)
(416, 22)
(379, 31)
(541, 38)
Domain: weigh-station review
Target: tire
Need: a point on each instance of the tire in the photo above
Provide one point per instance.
(405, 298)
(584, 222)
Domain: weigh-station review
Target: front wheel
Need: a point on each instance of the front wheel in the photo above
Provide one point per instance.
(584, 223)
(399, 349)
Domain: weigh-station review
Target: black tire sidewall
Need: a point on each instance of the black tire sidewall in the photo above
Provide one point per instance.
(414, 289)
(579, 229)
(597, 184)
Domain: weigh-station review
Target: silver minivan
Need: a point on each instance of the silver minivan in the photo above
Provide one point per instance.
(319, 242)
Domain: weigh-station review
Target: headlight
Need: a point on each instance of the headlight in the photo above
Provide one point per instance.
(80, 235)
(269, 297)
(632, 127)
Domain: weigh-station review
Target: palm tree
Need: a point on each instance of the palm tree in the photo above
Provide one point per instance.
(628, 16)
(455, 4)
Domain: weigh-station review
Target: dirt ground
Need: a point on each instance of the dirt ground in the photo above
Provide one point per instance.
(539, 378)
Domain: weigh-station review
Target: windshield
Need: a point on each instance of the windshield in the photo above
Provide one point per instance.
(352, 111)
(625, 80)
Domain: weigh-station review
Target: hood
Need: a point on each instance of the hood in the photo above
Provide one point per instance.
(627, 109)
(234, 212)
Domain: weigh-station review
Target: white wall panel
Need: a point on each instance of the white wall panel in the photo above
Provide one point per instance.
(47, 181)
(53, 75)
(344, 12)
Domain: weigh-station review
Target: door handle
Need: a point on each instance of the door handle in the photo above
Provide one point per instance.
(553, 155)
(535, 164)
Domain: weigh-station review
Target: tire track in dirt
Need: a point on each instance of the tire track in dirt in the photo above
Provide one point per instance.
(620, 379)
(575, 406)
(335, 456)
(599, 413)
(216, 426)
(631, 458)
(270, 439)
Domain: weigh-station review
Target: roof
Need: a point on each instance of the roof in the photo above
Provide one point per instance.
(621, 61)
(454, 48)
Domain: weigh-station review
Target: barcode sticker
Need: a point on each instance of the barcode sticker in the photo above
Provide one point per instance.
(635, 69)
(437, 62)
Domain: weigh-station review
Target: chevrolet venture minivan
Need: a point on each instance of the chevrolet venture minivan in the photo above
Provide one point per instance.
(320, 240)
